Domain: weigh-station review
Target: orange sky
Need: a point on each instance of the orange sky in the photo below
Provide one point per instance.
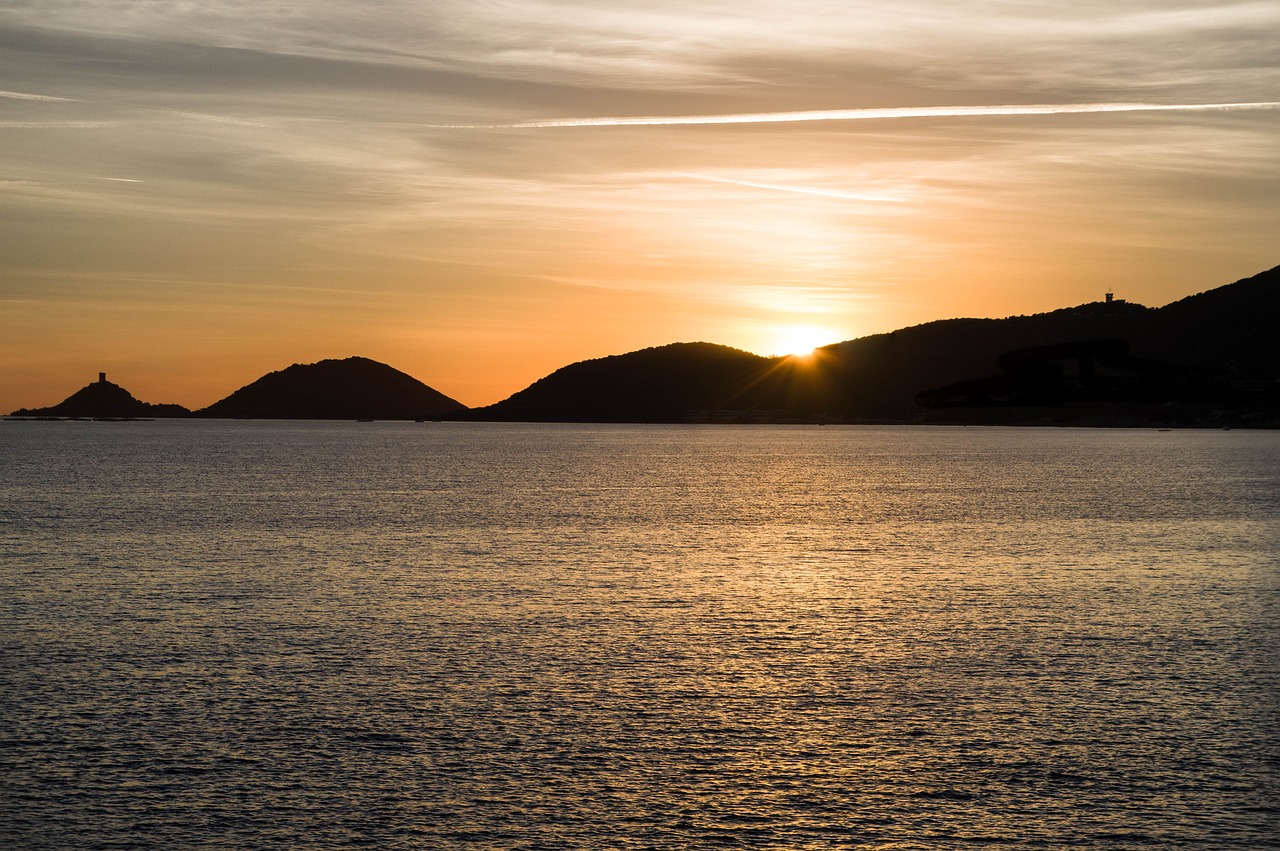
(195, 195)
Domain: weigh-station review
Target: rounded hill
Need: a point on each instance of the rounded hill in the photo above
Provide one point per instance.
(351, 388)
(659, 384)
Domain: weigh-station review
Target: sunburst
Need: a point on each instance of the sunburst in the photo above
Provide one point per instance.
(800, 340)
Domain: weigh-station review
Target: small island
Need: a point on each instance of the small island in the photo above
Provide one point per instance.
(102, 400)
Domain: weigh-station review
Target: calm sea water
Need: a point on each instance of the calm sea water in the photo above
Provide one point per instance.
(241, 635)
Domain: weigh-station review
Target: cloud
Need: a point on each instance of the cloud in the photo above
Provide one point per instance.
(221, 119)
(864, 114)
(802, 190)
(57, 125)
(28, 96)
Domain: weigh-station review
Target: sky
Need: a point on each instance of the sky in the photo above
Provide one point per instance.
(479, 192)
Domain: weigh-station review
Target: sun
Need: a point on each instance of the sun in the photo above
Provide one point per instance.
(799, 341)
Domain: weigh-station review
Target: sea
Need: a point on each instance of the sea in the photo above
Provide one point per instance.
(269, 634)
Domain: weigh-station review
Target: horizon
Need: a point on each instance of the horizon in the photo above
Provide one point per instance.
(800, 352)
(477, 196)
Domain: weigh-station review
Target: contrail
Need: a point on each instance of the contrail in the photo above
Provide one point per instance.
(57, 125)
(867, 114)
(777, 187)
(221, 119)
(26, 96)
(51, 99)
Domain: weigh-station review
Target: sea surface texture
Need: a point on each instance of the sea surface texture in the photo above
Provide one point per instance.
(439, 636)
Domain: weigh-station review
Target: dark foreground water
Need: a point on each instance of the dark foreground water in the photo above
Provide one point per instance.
(245, 635)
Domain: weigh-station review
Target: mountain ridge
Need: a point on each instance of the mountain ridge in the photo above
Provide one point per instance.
(1106, 362)
(1208, 359)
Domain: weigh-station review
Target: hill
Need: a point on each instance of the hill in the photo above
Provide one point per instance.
(1209, 359)
(352, 388)
(658, 384)
(103, 399)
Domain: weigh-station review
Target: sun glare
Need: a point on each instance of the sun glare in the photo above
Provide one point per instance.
(801, 340)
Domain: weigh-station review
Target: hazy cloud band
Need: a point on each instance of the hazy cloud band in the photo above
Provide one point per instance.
(867, 114)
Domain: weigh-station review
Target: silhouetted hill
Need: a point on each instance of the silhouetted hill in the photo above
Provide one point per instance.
(1231, 328)
(103, 399)
(659, 384)
(353, 388)
(1210, 359)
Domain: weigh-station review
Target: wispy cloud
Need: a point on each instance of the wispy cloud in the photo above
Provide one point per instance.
(867, 114)
(58, 125)
(802, 190)
(29, 96)
(220, 119)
